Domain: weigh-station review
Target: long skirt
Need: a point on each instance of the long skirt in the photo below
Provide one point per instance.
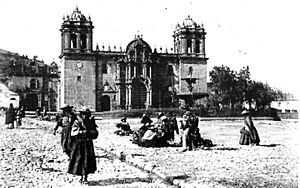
(249, 137)
(82, 159)
(66, 140)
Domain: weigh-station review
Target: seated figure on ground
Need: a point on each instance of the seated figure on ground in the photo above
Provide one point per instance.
(124, 128)
(151, 135)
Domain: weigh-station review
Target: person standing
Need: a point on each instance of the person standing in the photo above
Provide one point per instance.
(10, 116)
(186, 125)
(19, 115)
(173, 126)
(65, 121)
(44, 112)
(249, 134)
(83, 160)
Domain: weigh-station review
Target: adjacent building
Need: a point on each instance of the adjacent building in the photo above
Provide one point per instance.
(33, 83)
(136, 77)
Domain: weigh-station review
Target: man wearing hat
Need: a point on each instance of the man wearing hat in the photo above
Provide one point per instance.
(249, 134)
(65, 121)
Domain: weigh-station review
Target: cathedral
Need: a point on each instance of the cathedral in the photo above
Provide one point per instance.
(137, 77)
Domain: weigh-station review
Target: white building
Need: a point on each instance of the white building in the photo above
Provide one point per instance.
(7, 97)
(286, 106)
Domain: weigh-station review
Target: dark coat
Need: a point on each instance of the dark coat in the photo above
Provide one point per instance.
(82, 159)
(10, 115)
(251, 136)
(66, 121)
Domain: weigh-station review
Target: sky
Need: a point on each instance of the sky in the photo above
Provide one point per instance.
(261, 34)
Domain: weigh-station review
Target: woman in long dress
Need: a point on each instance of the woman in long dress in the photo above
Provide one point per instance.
(249, 134)
(65, 121)
(83, 160)
(10, 116)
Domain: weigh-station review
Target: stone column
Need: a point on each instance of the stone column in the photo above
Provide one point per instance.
(78, 41)
(67, 41)
(129, 71)
(62, 42)
(134, 71)
(184, 45)
(149, 97)
(144, 71)
(118, 95)
(89, 42)
(193, 46)
(202, 46)
(129, 97)
(126, 97)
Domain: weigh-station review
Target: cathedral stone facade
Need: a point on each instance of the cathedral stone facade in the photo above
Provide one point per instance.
(134, 78)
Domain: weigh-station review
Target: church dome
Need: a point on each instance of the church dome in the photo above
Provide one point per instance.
(189, 22)
(77, 16)
(138, 42)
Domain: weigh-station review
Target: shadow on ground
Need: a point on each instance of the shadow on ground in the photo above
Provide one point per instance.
(114, 181)
(270, 145)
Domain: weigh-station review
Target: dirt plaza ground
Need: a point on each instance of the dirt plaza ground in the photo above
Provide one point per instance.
(31, 157)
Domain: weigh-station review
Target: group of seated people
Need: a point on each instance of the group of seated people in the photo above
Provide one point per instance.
(156, 134)
(161, 133)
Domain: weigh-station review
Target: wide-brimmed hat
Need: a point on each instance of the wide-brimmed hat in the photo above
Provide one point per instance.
(123, 118)
(84, 110)
(163, 118)
(245, 112)
(66, 106)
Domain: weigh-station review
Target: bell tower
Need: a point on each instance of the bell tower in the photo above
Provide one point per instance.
(76, 33)
(189, 44)
(189, 38)
(78, 64)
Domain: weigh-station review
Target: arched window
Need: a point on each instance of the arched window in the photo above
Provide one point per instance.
(83, 38)
(34, 84)
(73, 41)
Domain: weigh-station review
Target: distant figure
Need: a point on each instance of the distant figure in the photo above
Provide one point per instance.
(44, 112)
(191, 135)
(249, 134)
(19, 115)
(65, 121)
(83, 159)
(10, 116)
(146, 121)
(124, 127)
(173, 126)
(38, 113)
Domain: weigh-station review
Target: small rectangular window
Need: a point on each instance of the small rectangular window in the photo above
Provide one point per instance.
(79, 78)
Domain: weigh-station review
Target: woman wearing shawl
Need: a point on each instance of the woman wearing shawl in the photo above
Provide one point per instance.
(83, 160)
(249, 134)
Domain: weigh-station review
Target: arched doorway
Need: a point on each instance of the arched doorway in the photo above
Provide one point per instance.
(105, 103)
(138, 94)
(31, 102)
